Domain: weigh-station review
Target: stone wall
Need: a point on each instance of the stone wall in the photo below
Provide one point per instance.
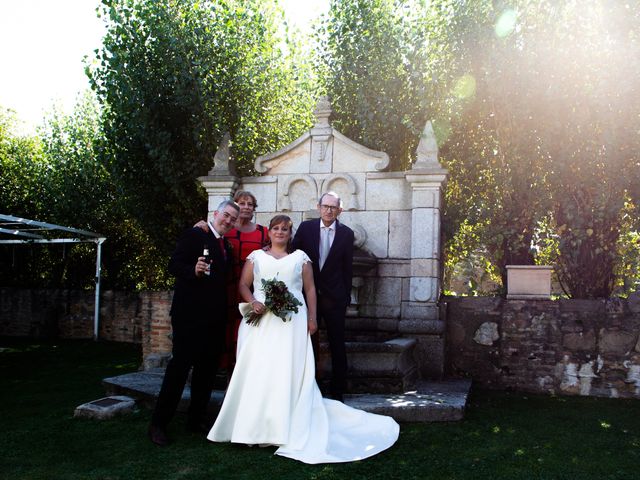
(578, 347)
(133, 317)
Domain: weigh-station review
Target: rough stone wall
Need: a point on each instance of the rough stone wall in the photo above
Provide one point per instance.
(577, 347)
(135, 317)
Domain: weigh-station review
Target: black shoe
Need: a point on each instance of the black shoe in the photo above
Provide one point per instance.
(158, 435)
(198, 427)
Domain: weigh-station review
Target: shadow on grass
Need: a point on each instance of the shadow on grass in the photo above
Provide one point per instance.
(503, 436)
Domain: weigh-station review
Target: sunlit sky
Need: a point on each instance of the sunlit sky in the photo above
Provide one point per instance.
(43, 42)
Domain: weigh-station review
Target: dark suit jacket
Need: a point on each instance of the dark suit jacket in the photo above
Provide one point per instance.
(199, 303)
(334, 280)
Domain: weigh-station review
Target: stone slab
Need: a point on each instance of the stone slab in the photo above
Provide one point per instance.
(145, 386)
(106, 407)
(437, 401)
(441, 401)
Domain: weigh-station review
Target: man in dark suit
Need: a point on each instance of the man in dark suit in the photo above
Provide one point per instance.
(329, 245)
(198, 321)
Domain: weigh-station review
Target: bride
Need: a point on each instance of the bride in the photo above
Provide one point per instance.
(273, 398)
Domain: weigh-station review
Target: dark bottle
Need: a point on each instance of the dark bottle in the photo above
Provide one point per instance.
(207, 259)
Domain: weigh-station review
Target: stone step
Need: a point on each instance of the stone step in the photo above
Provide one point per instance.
(374, 367)
(439, 401)
(362, 329)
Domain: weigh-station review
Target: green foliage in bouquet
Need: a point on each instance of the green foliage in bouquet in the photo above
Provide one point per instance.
(278, 299)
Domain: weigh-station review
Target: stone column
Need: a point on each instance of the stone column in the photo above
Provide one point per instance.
(420, 314)
(221, 182)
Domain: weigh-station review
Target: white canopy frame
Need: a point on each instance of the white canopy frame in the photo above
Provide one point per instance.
(22, 231)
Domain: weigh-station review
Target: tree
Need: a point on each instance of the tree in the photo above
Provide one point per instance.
(535, 108)
(173, 77)
(559, 94)
(22, 166)
(371, 67)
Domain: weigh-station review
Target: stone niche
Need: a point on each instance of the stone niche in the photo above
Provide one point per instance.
(395, 217)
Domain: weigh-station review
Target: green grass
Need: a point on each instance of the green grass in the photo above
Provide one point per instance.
(503, 436)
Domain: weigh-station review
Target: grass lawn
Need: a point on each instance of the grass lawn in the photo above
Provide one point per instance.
(503, 435)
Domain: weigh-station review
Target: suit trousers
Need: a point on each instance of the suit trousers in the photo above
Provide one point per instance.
(332, 315)
(189, 350)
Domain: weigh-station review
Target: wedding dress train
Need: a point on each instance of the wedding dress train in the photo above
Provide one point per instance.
(273, 398)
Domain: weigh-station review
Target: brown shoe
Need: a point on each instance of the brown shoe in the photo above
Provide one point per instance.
(158, 435)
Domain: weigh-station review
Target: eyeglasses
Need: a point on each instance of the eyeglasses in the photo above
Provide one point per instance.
(331, 208)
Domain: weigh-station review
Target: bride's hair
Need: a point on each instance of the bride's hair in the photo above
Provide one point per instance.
(277, 220)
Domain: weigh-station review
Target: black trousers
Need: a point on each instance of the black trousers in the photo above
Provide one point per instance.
(190, 350)
(332, 316)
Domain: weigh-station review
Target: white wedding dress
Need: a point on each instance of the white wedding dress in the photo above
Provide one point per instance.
(273, 398)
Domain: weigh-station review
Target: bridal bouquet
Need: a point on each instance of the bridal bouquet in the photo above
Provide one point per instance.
(278, 299)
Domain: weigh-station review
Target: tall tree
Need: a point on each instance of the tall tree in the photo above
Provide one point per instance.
(173, 77)
(535, 108)
(370, 66)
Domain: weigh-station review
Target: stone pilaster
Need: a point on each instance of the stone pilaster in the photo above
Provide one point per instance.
(427, 179)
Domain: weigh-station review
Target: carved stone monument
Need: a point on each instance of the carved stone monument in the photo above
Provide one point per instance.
(395, 217)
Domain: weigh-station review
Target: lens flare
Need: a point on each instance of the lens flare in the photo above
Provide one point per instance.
(465, 86)
(506, 23)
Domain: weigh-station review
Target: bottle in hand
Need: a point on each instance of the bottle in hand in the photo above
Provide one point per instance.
(207, 259)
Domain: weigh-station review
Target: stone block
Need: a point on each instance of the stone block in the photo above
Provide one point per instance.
(486, 304)
(265, 190)
(298, 193)
(614, 305)
(421, 327)
(428, 197)
(283, 161)
(350, 187)
(107, 407)
(430, 355)
(456, 334)
(385, 192)
(406, 290)
(419, 311)
(580, 341)
(380, 311)
(156, 360)
(528, 281)
(391, 267)
(616, 342)
(400, 234)
(592, 307)
(424, 289)
(376, 226)
(321, 150)
(425, 233)
(633, 301)
(350, 157)
(387, 291)
(487, 334)
(424, 267)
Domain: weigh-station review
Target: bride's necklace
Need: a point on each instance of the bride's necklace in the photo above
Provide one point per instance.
(276, 255)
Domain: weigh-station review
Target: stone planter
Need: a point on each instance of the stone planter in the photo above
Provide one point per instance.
(529, 281)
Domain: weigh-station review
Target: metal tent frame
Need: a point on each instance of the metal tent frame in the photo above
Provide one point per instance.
(22, 231)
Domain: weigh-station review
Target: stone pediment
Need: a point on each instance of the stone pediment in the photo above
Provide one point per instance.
(322, 150)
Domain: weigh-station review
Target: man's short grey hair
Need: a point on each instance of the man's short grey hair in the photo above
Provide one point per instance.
(331, 194)
(228, 203)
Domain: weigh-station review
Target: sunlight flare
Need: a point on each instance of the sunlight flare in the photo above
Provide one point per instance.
(506, 24)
